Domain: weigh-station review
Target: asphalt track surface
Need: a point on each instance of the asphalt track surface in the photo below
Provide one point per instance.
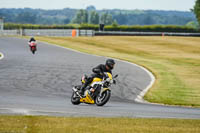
(41, 84)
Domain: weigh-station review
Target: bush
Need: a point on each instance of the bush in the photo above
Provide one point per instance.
(135, 28)
(152, 28)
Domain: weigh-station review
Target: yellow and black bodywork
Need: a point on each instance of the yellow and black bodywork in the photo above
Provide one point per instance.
(88, 99)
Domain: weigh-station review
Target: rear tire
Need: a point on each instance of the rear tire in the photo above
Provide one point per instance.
(75, 99)
(33, 50)
(105, 96)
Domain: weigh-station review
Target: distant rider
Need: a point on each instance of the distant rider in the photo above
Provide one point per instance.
(99, 72)
(32, 39)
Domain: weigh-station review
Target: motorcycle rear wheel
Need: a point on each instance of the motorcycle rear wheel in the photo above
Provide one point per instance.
(33, 49)
(103, 99)
(75, 99)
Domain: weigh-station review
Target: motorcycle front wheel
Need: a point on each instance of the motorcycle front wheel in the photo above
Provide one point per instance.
(75, 99)
(103, 98)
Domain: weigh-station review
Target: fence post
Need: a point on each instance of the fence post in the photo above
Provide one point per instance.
(21, 32)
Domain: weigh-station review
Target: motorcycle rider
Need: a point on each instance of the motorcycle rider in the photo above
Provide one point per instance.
(99, 72)
(32, 39)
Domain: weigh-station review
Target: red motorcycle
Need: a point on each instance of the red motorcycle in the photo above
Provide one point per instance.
(33, 46)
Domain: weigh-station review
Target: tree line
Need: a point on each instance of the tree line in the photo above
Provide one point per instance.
(92, 16)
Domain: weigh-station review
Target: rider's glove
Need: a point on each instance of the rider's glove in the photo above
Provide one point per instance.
(105, 75)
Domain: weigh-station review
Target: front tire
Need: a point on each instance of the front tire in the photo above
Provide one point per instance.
(103, 99)
(75, 99)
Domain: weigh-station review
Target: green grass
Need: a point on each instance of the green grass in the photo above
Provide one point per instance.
(175, 62)
(36, 124)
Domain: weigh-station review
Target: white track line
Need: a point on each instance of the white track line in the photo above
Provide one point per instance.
(2, 56)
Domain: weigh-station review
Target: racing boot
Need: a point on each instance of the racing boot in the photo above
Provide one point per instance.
(83, 87)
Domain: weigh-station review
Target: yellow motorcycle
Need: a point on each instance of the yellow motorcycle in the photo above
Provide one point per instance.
(98, 92)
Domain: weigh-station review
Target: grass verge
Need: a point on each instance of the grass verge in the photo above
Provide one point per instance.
(23, 124)
(175, 61)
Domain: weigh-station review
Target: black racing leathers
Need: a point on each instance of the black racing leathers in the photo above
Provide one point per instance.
(32, 40)
(100, 70)
(97, 72)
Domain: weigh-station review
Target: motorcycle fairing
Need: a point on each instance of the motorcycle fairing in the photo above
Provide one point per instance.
(109, 75)
(87, 99)
(95, 81)
(104, 89)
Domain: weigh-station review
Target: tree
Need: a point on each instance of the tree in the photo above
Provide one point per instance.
(91, 8)
(94, 18)
(193, 24)
(66, 21)
(148, 20)
(106, 19)
(115, 24)
(81, 17)
(26, 18)
(122, 19)
(197, 10)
